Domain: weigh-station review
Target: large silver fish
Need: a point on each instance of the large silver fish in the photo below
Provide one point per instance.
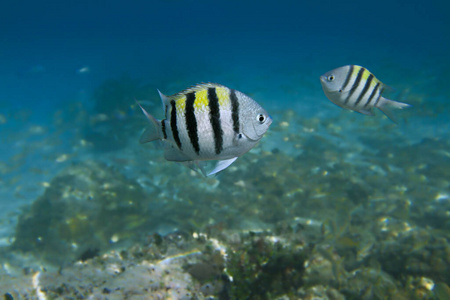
(207, 122)
(355, 88)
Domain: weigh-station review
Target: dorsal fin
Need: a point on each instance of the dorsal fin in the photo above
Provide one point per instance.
(199, 87)
(164, 99)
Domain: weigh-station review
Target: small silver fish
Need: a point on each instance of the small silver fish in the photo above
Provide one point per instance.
(207, 122)
(355, 88)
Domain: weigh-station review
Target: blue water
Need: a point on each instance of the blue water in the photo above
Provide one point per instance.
(43, 45)
(54, 55)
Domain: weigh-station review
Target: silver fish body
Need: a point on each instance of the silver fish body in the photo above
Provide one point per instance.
(354, 87)
(208, 122)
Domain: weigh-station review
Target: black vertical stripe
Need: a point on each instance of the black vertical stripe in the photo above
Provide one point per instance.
(355, 85)
(173, 124)
(234, 110)
(374, 92)
(214, 117)
(163, 127)
(378, 99)
(347, 79)
(364, 91)
(191, 121)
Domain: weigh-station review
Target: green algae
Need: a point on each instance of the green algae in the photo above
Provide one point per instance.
(262, 270)
(89, 205)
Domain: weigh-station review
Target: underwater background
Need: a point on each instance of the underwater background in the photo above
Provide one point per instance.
(331, 204)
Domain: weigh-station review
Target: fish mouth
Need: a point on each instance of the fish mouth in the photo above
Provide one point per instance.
(323, 78)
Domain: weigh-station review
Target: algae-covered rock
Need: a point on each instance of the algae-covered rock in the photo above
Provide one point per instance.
(320, 292)
(163, 268)
(87, 207)
(264, 267)
(108, 277)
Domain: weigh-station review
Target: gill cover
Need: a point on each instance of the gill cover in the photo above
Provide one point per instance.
(257, 123)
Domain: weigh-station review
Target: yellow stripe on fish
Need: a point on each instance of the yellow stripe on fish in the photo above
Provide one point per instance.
(208, 122)
(223, 94)
(201, 100)
(180, 102)
(201, 96)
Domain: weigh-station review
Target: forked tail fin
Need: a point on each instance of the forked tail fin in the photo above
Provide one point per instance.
(153, 132)
(384, 105)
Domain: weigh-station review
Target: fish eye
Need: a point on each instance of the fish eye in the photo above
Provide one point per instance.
(261, 118)
(330, 78)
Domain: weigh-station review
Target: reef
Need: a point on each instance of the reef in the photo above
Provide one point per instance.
(88, 206)
(294, 261)
(314, 212)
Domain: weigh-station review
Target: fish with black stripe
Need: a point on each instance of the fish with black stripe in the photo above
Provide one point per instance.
(207, 122)
(355, 88)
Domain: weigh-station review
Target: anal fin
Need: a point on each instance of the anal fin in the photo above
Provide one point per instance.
(172, 153)
(368, 112)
